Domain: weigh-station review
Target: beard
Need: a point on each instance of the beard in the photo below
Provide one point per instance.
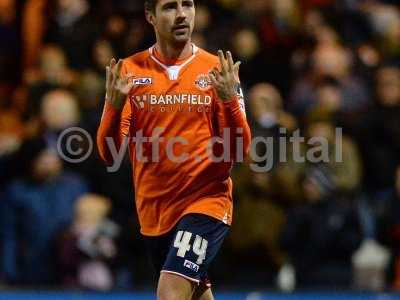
(181, 37)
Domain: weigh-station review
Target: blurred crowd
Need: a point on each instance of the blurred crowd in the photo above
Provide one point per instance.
(308, 66)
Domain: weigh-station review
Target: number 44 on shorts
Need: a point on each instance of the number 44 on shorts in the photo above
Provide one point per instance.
(182, 242)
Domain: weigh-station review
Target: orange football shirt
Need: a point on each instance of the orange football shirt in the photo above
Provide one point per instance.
(174, 105)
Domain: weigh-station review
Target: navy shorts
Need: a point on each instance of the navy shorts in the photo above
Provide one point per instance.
(189, 248)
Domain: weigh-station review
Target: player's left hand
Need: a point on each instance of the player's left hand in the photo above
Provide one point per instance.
(225, 81)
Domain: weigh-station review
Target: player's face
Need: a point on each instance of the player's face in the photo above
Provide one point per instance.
(173, 20)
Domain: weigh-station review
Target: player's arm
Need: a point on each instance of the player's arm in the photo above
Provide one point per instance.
(116, 119)
(233, 117)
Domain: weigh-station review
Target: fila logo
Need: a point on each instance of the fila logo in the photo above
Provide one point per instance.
(143, 81)
(190, 265)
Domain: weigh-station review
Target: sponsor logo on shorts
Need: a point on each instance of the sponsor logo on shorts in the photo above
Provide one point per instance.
(190, 265)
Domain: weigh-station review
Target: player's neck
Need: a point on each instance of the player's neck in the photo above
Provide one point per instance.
(173, 53)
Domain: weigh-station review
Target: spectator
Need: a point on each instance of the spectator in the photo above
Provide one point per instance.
(389, 228)
(379, 131)
(247, 47)
(333, 61)
(34, 209)
(273, 124)
(74, 30)
(87, 247)
(103, 52)
(53, 73)
(321, 235)
(340, 154)
(58, 111)
(254, 239)
(269, 119)
(385, 21)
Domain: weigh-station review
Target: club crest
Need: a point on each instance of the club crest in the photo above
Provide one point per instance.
(203, 82)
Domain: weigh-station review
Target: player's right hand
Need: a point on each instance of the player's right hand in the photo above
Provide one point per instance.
(117, 86)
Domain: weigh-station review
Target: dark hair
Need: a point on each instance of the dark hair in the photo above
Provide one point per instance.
(150, 5)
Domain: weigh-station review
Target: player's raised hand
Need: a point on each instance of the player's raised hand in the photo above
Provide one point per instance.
(117, 86)
(225, 81)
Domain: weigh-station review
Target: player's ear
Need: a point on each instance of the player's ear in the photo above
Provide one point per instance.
(150, 17)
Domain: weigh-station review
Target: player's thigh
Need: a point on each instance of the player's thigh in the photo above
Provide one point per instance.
(202, 292)
(171, 286)
(197, 240)
(174, 287)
